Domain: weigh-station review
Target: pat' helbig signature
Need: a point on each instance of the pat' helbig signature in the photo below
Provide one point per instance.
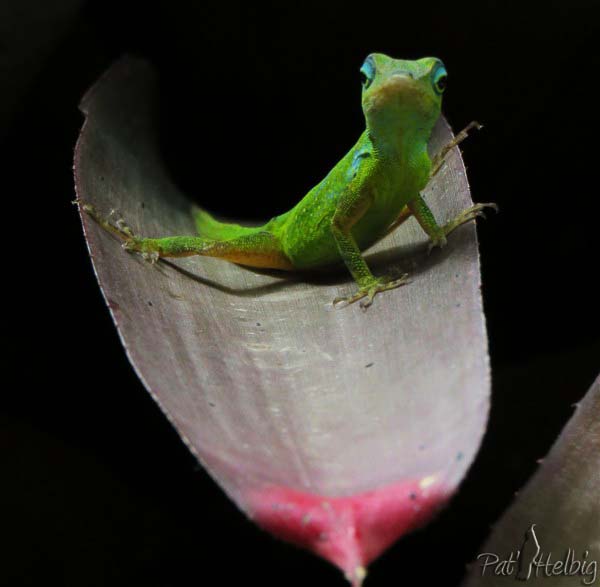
(530, 561)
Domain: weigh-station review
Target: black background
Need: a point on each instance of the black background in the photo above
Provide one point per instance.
(96, 487)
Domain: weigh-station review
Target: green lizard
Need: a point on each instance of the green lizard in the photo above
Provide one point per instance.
(373, 189)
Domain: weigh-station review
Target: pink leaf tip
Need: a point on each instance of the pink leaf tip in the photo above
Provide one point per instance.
(353, 530)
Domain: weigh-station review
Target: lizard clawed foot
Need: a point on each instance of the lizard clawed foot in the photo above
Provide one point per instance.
(136, 245)
(369, 291)
(131, 243)
(437, 241)
(440, 158)
(465, 216)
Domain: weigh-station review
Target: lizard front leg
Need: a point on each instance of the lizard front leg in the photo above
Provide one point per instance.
(438, 233)
(351, 208)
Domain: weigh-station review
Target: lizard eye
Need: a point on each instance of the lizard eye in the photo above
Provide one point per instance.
(440, 84)
(440, 79)
(367, 72)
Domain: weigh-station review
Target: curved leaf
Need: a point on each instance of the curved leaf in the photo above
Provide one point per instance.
(339, 430)
(556, 518)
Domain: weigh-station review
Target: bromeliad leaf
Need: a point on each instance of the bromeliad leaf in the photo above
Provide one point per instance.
(555, 520)
(337, 430)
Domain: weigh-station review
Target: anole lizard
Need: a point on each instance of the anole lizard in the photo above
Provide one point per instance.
(375, 187)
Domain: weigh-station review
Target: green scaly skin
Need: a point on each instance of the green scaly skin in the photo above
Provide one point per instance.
(370, 192)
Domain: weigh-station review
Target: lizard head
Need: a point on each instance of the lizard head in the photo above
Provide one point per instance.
(402, 96)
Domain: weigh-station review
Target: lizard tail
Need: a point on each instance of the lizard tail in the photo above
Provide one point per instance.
(210, 228)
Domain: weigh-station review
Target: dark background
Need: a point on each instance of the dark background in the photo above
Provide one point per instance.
(97, 489)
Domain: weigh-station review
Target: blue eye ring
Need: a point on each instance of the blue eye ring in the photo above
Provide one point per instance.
(439, 79)
(367, 72)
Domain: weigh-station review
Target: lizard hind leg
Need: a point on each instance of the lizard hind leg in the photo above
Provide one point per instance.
(258, 249)
(255, 247)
